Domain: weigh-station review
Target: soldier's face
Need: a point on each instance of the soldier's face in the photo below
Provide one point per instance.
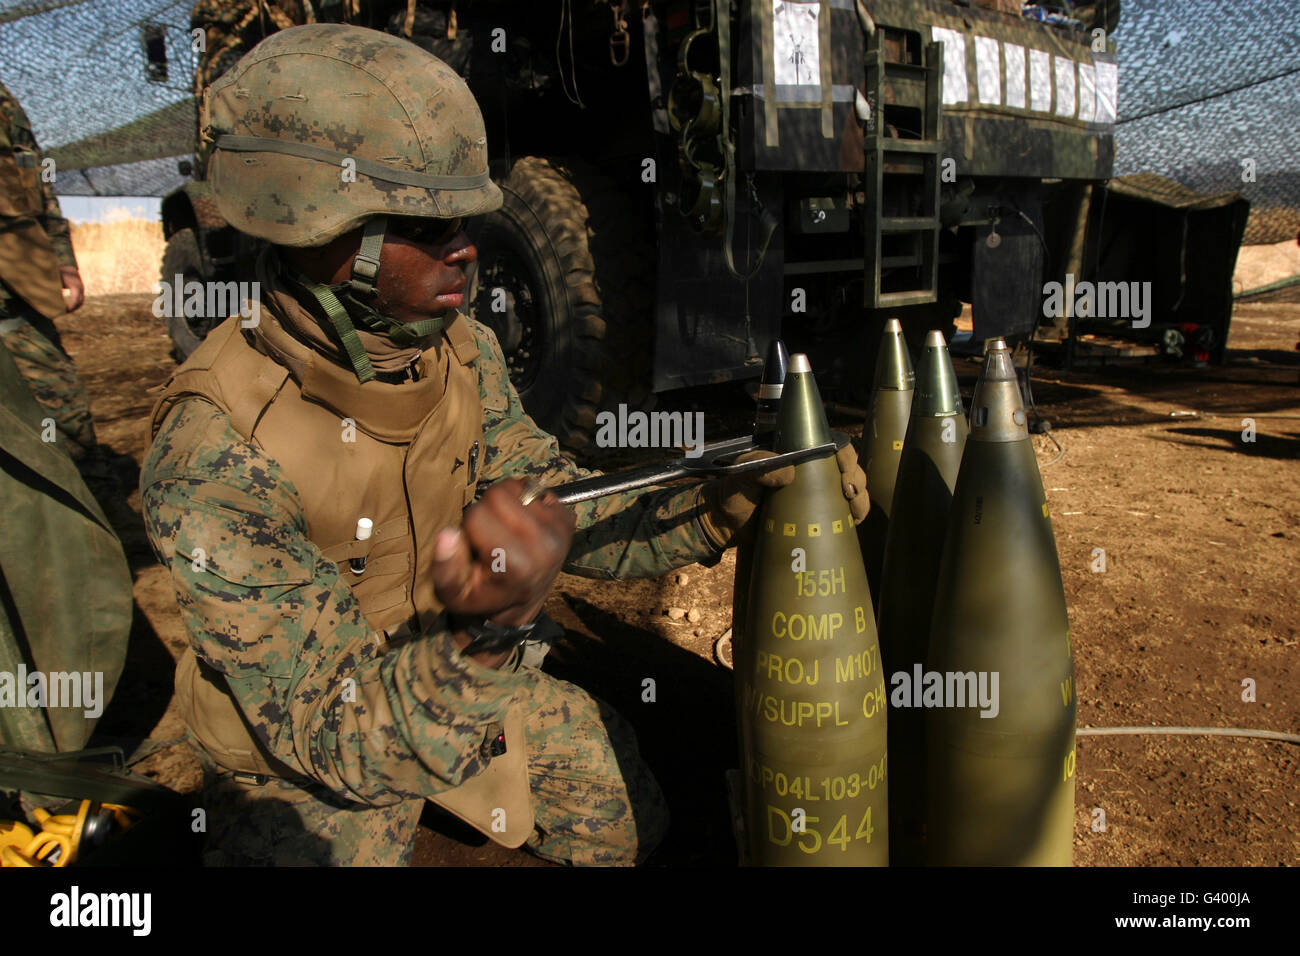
(421, 269)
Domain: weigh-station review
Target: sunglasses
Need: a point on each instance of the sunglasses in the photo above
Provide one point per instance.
(427, 232)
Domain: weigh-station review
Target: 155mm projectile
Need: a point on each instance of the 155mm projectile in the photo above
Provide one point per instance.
(808, 673)
(927, 472)
(881, 446)
(1000, 775)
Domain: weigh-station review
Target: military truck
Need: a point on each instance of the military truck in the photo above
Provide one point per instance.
(686, 179)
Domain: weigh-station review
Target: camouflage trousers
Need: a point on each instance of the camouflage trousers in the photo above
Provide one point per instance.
(37, 350)
(595, 801)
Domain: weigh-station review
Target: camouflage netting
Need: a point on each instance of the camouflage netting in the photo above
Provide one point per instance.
(79, 69)
(1204, 86)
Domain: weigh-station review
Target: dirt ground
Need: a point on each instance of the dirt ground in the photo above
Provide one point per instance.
(1201, 533)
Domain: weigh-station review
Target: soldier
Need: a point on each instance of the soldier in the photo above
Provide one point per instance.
(330, 685)
(39, 282)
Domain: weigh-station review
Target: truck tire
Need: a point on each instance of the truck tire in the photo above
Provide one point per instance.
(565, 278)
(181, 257)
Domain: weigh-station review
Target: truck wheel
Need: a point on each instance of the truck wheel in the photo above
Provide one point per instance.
(181, 257)
(565, 278)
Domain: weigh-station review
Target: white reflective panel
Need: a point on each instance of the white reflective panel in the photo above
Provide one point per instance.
(1087, 92)
(794, 43)
(1040, 81)
(1064, 86)
(1014, 56)
(955, 89)
(988, 70)
(1107, 92)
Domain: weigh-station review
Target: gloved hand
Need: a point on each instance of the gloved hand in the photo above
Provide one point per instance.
(853, 481)
(730, 503)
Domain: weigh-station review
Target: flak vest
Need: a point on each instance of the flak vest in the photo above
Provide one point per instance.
(405, 456)
(28, 264)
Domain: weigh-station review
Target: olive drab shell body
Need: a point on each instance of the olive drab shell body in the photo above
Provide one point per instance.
(927, 473)
(881, 445)
(808, 674)
(320, 126)
(1001, 786)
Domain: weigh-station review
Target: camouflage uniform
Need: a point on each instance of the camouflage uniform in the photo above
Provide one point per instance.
(30, 337)
(240, 471)
(353, 796)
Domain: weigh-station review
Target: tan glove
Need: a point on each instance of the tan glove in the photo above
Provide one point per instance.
(730, 503)
(853, 480)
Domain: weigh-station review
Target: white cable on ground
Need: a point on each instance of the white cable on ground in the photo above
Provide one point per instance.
(1060, 449)
(1190, 731)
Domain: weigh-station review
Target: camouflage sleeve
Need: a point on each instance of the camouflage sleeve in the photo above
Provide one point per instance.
(15, 127)
(639, 534)
(263, 607)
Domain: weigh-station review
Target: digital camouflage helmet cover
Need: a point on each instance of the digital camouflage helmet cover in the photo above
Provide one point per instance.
(321, 126)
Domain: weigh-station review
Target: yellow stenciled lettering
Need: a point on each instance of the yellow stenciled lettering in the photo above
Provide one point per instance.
(860, 618)
(865, 829)
(814, 627)
(810, 832)
(842, 828)
(855, 666)
(822, 627)
(773, 812)
(869, 704)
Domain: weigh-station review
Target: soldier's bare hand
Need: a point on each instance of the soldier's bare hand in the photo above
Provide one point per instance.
(72, 283)
(502, 561)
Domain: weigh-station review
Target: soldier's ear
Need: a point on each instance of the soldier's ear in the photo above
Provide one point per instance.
(329, 264)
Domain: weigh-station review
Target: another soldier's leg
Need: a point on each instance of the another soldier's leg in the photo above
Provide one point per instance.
(596, 801)
(34, 343)
(276, 823)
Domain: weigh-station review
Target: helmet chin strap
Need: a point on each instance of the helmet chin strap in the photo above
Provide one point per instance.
(347, 300)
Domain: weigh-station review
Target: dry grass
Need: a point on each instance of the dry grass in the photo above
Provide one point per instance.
(123, 254)
(1260, 265)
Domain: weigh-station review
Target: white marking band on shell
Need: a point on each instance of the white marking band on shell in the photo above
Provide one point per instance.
(769, 391)
(1013, 55)
(988, 70)
(955, 88)
(367, 167)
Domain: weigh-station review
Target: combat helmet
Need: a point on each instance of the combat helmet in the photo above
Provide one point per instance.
(326, 127)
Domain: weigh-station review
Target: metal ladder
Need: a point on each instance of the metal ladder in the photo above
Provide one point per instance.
(901, 172)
